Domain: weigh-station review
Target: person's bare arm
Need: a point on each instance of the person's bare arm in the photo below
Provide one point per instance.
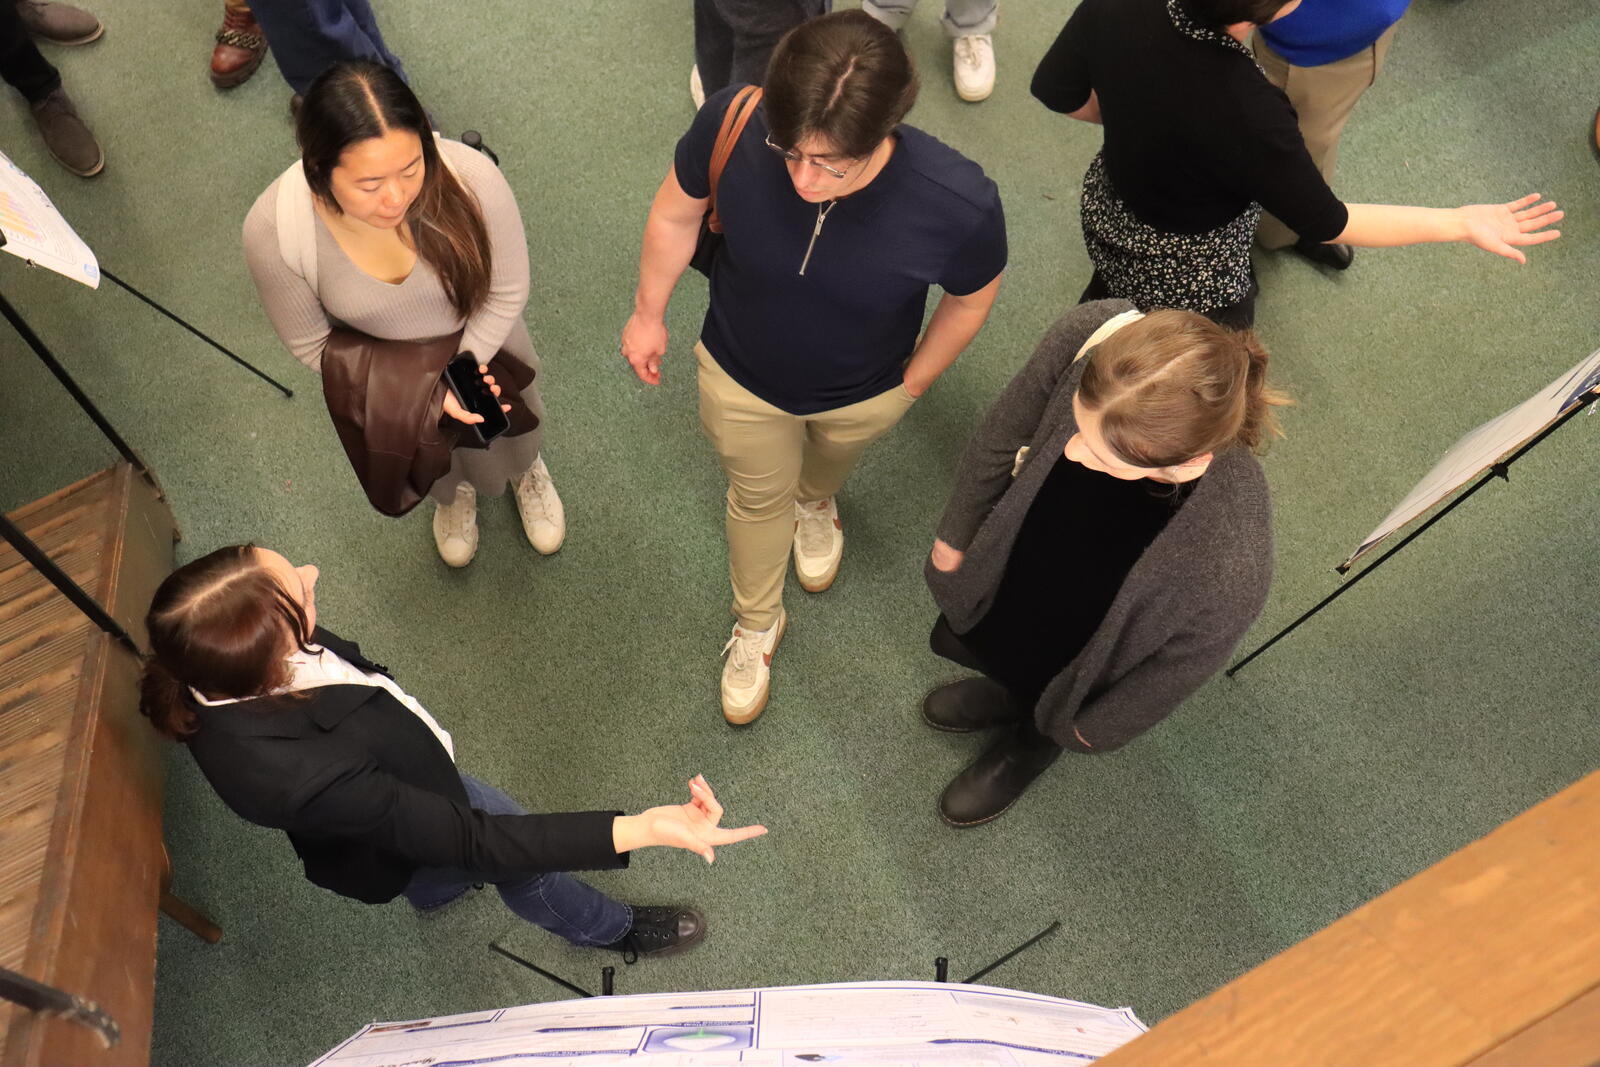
(1498, 228)
(670, 234)
(955, 322)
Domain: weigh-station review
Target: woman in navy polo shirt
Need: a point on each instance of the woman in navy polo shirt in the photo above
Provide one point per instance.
(836, 220)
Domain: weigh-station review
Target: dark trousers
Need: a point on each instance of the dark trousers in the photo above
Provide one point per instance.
(21, 64)
(1240, 316)
(309, 36)
(733, 39)
(947, 643)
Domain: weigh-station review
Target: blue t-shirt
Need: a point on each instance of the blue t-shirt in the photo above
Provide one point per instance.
(841, 332)
(1326, 31)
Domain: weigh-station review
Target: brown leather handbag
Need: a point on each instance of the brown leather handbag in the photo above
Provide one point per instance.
(734, 120)
(386, 399)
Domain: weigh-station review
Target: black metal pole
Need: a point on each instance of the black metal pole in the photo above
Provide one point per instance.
(36, 996)
(608, 981)
(534, 967)
(1499, 470)
(1034, 940)
(69, 588)
(941, 969)
(26, 333)
(252, 368)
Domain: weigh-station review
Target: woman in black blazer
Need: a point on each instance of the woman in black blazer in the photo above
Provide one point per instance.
(298, 731)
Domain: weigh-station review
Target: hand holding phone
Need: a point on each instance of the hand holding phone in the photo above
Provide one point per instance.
(477, 398)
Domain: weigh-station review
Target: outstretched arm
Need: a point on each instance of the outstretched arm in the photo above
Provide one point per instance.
(692, 826)
(1499, 228)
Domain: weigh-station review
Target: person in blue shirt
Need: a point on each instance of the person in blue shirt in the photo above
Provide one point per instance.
(836, 219)
(1323, 55)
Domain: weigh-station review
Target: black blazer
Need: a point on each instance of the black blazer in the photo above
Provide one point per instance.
(368, 795)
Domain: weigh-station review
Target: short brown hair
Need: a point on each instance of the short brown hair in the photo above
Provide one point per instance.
(844, 78)
(1174, 385)
(223, 625)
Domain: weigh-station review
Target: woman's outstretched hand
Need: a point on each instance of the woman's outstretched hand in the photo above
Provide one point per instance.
(692, 826)
(1502, 228)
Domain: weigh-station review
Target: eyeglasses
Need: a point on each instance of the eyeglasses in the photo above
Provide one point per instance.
(792, 156)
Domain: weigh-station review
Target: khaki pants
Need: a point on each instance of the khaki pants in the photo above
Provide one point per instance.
(1323, 97)
(772, 459)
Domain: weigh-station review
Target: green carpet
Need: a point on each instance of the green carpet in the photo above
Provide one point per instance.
(1443, 696)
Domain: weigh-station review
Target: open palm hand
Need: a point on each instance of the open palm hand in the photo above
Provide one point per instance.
(1503, 228)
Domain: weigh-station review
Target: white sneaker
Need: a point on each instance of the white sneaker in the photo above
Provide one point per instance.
(455, 527)
(544, 520)
(747, 670)
(697, 91)
(974, 67)
(818, 543)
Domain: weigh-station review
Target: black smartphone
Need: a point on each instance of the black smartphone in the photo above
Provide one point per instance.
(473, 394)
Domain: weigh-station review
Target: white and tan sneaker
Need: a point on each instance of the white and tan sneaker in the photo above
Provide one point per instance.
(455, 527)
(544, 519)
(818, 543)
(974, 66)
(747, 670)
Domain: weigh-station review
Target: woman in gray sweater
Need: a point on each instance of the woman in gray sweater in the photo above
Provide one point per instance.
(387, 229)
(1107, 543)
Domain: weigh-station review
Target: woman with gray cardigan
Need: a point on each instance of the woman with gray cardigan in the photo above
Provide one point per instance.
(1107, 543)
(387, 229)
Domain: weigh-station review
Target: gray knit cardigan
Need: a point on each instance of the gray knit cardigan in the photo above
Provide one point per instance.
(1183, 607)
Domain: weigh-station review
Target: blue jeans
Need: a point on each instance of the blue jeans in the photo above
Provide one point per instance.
(556, 901)
(962, 18)
(309, 36)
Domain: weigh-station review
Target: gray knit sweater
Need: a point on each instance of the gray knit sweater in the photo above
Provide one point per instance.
(1183, 607)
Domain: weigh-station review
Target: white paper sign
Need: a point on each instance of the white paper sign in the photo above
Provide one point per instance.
(35, 231)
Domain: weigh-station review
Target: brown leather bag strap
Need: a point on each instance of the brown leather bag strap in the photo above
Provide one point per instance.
(733, 123)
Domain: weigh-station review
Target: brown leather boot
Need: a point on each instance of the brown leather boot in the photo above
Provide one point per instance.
(241, 46)
(65, 134)
(60, 23)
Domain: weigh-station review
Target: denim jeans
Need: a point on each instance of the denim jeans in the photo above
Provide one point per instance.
(962, 18)
(558, 902)
(309, 36)
(733, 39)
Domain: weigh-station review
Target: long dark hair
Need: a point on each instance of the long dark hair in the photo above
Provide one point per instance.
(1174, 385)
(844, 77)
(223, 625)
(357, 100)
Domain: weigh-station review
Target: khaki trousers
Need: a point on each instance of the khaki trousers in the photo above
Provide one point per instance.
(1323, 97)
(772, 459)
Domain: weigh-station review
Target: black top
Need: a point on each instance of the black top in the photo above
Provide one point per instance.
(1081, 537)
(1194, 132)
(368, 795)
(841, 332)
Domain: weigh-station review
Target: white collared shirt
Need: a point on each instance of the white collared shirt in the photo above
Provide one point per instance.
(322, 666)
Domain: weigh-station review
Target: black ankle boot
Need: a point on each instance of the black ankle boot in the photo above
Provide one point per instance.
(969, 704)
(987, 789)
(659, 932)
(1337, 256)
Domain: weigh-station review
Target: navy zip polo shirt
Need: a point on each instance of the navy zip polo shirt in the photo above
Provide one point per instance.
(840, 333)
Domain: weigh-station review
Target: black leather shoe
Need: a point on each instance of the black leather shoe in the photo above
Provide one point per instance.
(1339, 257)
(987, 789)
(660, 932)
(969, 704)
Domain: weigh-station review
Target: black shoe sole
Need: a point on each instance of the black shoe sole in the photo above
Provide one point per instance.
(956, 824)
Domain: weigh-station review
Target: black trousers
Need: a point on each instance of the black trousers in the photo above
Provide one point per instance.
(947, 643)
(733, 39)
(20, 61)
(1240, 316)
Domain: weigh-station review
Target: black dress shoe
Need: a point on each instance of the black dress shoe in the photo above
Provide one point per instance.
(660, 932)
(1339, 257)
(969, 704)
(987, 789)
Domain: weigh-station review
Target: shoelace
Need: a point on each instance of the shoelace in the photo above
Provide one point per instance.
(969, 51)
(741, 652)
(458, 515)
(531, 489)
(816, 533)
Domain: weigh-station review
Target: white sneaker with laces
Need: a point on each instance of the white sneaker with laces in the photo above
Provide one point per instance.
(747, 670)
(544, 519)
(974, 66)
(455, 527)
(818, 543)
(697, 91)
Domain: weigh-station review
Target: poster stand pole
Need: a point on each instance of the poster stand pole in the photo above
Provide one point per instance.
(1499, 470)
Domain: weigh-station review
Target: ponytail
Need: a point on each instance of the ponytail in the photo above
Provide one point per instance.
(1260, 420)
(162, 700)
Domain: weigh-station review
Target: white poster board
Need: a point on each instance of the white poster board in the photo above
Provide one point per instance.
(36, 232)
(1488, 445)
(856, 1024)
